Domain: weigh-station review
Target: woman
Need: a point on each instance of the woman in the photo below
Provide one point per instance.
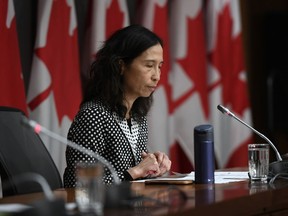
(112, 117)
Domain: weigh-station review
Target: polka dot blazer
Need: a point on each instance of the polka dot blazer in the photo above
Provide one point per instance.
(104, 132)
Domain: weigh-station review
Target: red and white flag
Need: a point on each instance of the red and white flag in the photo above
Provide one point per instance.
(154, 16)
(104, 17)
(11, 78)
(188, 72)
(227, 82)
(54, 93)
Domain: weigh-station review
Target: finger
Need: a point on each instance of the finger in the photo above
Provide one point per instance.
(165, 167)
(152, 156)
(167, 163)
(151, 172)
(154, 169)
(162, 158)
(144, 154)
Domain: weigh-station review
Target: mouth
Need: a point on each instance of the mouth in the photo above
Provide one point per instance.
(152, 88)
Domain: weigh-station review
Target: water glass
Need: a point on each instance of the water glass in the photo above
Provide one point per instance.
(90, 190)
(258, 161)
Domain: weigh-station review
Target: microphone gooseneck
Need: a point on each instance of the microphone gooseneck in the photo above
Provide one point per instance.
(27, 177)
(39, 128)
(52, 205)
(224, 110)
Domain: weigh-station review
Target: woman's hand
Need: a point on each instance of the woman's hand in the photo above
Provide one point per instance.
(148, 166)
(163, 162)
(153, 164)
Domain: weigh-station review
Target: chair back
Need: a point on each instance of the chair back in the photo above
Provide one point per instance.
(22, 151)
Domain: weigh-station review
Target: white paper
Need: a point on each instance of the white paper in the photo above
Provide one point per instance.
(220, 177)
(14, 207)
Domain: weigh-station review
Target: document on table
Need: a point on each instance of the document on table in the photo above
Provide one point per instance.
(14, 207)
(188, 178)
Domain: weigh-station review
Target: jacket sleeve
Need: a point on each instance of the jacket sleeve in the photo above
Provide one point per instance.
(87, 133)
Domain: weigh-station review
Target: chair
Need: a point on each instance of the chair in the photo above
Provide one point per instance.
(22, 151)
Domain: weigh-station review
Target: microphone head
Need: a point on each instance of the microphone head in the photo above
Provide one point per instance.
(221, 109)
(224, 110)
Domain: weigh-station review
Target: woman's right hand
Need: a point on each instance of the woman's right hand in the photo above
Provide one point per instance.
(148, 166)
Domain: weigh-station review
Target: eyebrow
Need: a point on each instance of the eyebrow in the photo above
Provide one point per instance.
(151, 60)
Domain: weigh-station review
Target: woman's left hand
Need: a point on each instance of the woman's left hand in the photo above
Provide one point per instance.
(163, 161)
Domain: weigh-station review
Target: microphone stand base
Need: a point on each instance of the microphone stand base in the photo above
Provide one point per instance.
(278, 167)
(117, 195)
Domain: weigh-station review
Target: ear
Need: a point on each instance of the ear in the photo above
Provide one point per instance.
(122, 66)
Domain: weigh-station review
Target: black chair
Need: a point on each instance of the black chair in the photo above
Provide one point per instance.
(22, 151)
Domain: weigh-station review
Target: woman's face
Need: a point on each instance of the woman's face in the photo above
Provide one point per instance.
(143, 74)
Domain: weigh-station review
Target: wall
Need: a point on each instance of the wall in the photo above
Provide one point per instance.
(264, 24)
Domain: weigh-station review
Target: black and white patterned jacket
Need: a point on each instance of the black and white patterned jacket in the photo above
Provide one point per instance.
(104, 132)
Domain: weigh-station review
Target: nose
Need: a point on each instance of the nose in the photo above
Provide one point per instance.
(156, 75)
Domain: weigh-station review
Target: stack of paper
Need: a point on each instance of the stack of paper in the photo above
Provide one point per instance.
(188, 178)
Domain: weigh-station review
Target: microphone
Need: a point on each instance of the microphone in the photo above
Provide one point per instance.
(116, 195)
(277, 167)
(228, 112)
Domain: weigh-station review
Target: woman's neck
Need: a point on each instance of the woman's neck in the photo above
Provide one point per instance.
(128, 104)
(127, 116)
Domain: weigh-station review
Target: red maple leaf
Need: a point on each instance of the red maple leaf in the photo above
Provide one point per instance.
(227, 57)
(194, 63)
(60, 55)
(11, 82)
(114, 18)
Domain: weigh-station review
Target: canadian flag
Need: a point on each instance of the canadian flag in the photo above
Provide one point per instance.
(154, 16)
(104, 17)
(11, 81)
(188, 72)
(54, 93)
(227, 82)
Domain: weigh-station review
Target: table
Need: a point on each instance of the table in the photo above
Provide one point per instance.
(238, 198)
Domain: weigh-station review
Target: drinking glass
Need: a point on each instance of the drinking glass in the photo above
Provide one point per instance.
(258, 161)
(90, 190)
